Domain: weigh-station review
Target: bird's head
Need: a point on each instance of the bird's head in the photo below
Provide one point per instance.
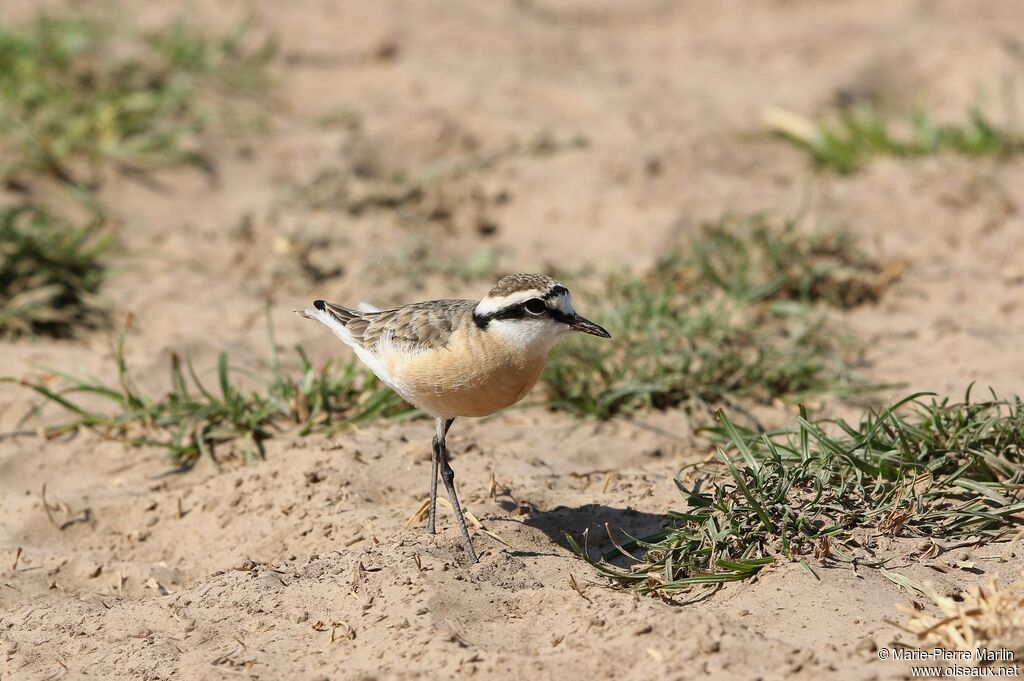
(531, 310)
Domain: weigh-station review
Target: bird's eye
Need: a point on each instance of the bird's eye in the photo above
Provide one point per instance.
(535, 306)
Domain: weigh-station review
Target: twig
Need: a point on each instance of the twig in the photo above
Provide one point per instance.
(221, 659)
(475, 522)
(576, 587)
(46, 507)
(608, 529)
(418, 515)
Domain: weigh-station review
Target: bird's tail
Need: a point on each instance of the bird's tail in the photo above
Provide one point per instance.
(322, 307)
(334, 317)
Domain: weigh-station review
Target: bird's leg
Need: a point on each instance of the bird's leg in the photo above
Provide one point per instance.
(448, 475)
(435, 454)
(442, 426)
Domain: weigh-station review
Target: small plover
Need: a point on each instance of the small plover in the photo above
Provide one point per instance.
(456, 358)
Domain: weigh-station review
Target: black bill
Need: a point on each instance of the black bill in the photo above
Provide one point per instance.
(586, 326)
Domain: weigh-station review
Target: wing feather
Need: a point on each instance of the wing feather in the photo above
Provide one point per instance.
(418, 326)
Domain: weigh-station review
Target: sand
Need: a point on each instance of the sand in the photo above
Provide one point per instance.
(561, 134)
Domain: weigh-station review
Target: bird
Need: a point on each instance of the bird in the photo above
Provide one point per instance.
(460, 358)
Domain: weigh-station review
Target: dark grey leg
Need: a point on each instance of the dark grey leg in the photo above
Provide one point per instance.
(435, 446)
(448, 475)
(441, 426)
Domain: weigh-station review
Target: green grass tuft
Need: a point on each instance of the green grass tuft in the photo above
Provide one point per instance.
(830, 491)
(847, 140)
(78, 94)
(667, 353)
(752, 260)
(50, 273)
(193, 420)
(726, 319)
(75, 94)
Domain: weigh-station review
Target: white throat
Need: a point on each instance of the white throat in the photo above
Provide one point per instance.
(532, 337)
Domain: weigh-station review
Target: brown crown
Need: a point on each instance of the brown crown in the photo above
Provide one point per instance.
(514, 283)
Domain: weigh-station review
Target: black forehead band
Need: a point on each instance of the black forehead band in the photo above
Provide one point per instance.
(555, 292)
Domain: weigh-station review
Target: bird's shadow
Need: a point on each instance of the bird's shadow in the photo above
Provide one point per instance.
(597, 520)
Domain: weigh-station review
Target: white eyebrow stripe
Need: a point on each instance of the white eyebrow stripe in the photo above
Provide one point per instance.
(491, 305)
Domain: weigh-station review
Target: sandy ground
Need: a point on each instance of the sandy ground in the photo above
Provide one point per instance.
(563, 134)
